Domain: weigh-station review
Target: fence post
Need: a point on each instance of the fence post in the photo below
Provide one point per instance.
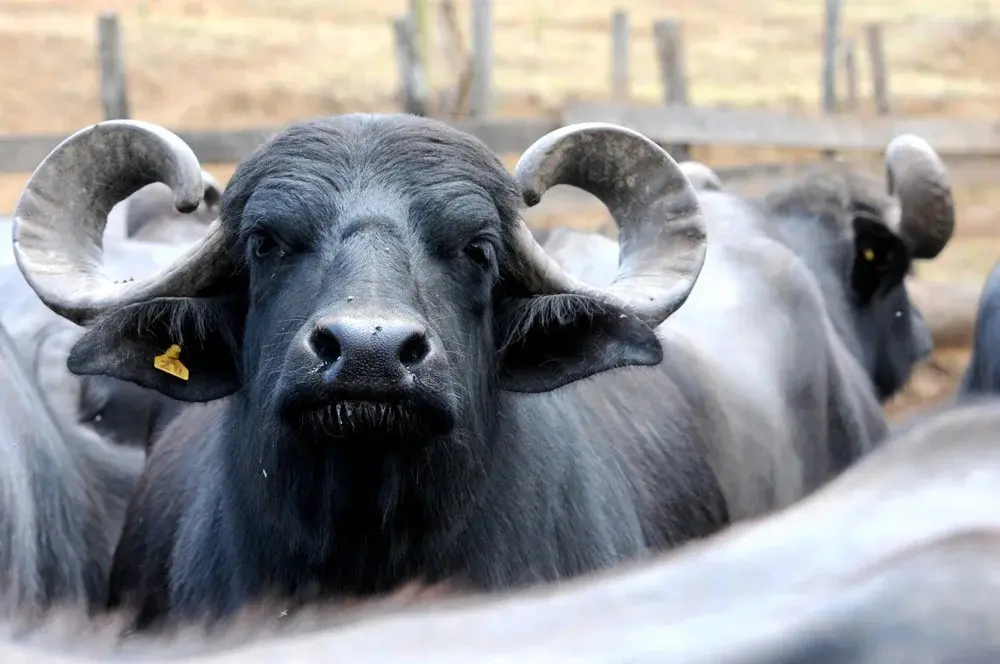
(114, 92)
(670, 53)
(876, 57)
(455, 96)
(851, 74)
(419, 20)
(619, 56)
(412, 77)
(829, 74)
(480, 98)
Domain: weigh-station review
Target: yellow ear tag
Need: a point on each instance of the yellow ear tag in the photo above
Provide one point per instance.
(170, 363)
(869, 255)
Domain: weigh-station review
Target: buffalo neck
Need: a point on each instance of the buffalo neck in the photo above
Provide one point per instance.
(339, 516)
(816, 242)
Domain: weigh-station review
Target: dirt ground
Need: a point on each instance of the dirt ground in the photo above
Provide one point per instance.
(243, 63)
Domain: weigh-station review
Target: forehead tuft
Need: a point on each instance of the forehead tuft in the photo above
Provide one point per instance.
(405, 154)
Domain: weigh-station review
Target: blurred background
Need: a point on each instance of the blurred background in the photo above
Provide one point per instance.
(754, 88)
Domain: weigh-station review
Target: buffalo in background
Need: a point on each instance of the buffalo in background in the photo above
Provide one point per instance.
(982, 375)
(146, 232)
(857, 237)
(63, 493)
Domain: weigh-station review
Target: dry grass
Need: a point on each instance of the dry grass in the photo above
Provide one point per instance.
(241, 63)
(247, 62)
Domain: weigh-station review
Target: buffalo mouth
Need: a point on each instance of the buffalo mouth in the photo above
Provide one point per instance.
(407, 419)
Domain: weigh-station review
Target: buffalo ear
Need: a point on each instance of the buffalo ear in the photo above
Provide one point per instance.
(549, 341)
(134, 344)
(881, 260)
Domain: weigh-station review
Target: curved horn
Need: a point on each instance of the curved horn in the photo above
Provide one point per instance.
(59, 221)
(702, 177)
(662, 236)
(917, 178)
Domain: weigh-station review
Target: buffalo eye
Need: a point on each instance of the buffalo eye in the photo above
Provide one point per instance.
(264, 245)
(480, 252)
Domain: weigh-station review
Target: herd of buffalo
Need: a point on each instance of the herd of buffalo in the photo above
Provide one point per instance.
(352, 406)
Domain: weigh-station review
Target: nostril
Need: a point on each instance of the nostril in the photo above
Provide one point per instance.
(414, 349)
(325, 345)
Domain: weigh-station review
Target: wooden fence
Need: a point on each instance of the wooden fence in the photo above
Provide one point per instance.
(674, 124)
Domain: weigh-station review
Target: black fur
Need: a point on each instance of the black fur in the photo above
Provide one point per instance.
(487, 474)
(982, 375)
(834, 219)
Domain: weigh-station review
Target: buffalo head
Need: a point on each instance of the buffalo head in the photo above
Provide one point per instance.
(869, 233)
(369, 277)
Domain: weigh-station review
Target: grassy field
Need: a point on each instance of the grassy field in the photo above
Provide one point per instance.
(242, 63)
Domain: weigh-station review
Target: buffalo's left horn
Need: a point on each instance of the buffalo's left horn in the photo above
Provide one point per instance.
(59, 221)
(662, 236)
(702, 177)
(917, 178)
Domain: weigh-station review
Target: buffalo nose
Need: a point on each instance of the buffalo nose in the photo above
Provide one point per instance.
(380, 347)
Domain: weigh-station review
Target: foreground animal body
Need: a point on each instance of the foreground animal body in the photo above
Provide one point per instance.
(982, 375)
(376, 325)
(63, 495)
(897, 560)
(122, 412)
(856, 240)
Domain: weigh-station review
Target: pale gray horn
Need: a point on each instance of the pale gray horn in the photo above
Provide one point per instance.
(662, 235)
(918, 179)
(59, 221)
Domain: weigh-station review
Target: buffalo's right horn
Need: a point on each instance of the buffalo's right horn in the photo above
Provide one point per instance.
(917, 178)
(662, 235)
(59, 221)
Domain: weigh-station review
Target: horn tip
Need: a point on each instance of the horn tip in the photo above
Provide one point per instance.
(909, 143)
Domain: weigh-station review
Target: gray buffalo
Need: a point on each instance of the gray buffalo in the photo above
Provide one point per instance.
(63, 495)
(897, 560)
(856, 238)
(400, 384)
(145, 233)
(120, 411)
(982, 375)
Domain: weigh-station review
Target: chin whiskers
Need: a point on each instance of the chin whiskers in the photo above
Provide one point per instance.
(343, 418)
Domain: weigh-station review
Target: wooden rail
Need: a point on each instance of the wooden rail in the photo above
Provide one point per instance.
(706, 126)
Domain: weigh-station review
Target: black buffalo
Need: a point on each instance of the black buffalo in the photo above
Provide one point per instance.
(63, 495)
(857, 240)
(897, 560)
(405, 386)
(982, 375)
